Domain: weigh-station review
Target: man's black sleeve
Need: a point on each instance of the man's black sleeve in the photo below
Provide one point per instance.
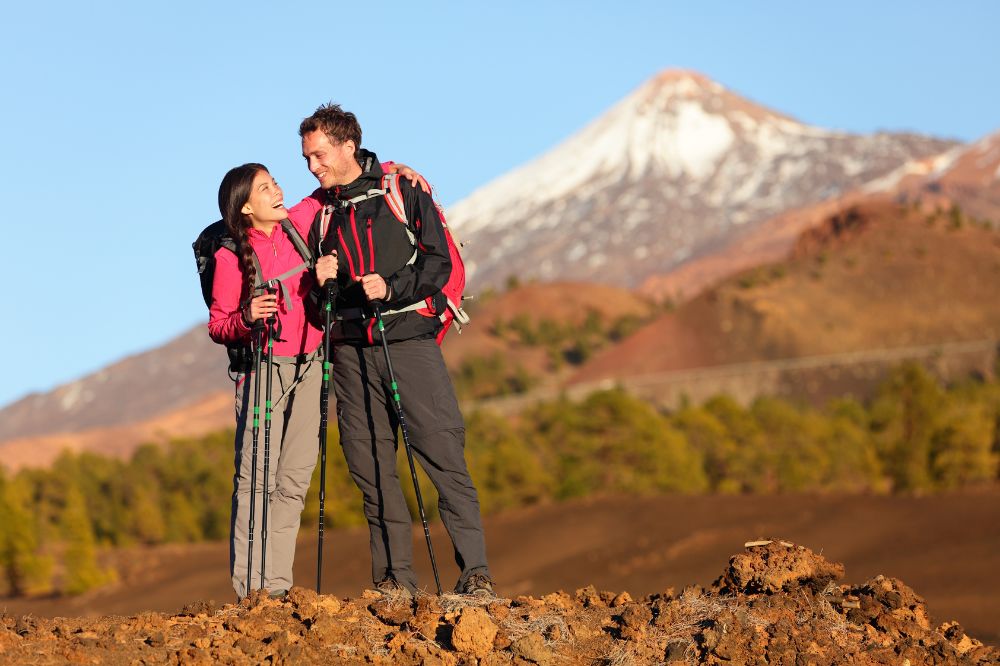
(429, 273)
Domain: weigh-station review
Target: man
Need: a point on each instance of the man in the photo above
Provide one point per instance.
(376, 261)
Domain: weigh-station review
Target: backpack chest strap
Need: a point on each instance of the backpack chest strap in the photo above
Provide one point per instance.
(354, 201)
(350, 314)
(280, 279)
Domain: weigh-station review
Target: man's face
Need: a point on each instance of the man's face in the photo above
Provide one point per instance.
(332, 164)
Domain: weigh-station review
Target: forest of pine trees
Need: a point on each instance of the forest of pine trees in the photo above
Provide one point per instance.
(915, 436)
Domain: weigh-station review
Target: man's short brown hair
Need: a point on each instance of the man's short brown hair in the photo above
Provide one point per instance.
(338, 125)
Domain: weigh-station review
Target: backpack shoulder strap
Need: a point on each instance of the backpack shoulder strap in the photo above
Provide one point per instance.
(300, 245)
(229, 244)
(258, 279)
(394, 199)
(320, 225)
(394, 196)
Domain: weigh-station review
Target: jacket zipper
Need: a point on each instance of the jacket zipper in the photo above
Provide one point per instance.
(371, 246)
(347, 251)
(357, 241)
(371, 259)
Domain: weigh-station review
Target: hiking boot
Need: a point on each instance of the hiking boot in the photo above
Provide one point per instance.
(278, 594)
(478, 585)
(390, 587)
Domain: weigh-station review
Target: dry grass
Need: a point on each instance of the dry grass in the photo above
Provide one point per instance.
(456, 602)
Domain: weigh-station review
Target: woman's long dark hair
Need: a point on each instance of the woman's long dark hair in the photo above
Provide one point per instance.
(233, 193)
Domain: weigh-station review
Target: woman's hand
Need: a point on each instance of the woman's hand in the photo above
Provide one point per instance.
(326, 268)
(261, 307)
(409, 174)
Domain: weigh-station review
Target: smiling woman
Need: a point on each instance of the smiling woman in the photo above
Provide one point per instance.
(245, 295)
(261, 300)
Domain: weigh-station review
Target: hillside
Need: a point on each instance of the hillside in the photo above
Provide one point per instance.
(568, 303)
(875, 275)
(110, 412)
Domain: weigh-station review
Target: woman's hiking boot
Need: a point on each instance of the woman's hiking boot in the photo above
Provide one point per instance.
(391, 587)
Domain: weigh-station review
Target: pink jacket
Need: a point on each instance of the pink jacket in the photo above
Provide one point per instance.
(276, 254)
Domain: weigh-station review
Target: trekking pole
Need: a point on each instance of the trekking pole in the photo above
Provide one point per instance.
(330, 289)
(406, 444)
(271, 334)
(258, 329)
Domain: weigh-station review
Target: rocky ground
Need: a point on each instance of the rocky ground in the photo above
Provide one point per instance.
(776, 603)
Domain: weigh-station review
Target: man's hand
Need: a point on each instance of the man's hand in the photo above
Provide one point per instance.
(411, 175)
(374, 286)
(326, 268)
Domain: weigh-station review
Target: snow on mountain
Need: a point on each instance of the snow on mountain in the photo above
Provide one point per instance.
(967, 176)
(665, 174)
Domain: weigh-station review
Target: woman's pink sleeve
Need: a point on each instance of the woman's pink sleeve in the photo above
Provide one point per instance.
(225, 319)
(304, 212)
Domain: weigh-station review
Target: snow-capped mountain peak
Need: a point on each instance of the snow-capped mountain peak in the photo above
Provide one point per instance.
(668, 170)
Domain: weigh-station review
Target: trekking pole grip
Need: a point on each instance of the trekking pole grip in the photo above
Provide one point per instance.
(330, 289)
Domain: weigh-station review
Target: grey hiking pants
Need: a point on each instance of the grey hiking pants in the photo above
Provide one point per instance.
(295, 389)
(368, 425)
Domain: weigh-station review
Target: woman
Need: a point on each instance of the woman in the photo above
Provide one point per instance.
(252, 207)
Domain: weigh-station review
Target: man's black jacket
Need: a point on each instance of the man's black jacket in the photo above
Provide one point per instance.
(370, 239)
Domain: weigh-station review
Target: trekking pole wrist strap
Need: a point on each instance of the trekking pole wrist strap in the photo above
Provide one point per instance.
(245, 314)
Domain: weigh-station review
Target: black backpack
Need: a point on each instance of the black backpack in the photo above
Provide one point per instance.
(207, 244)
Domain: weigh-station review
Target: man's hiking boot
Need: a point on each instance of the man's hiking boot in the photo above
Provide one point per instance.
(391, 587)
(478, 585)
(278, 594)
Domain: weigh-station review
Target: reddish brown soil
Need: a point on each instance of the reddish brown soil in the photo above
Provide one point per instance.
(562, 302)
(946, 547)
(775, 603)
(875, 276)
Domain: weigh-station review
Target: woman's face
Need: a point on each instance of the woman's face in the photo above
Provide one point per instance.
(266, 204)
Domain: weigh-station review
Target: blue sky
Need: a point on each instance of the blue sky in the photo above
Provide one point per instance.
(119, 119)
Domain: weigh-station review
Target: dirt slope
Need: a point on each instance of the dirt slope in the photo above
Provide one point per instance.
(563, 302)
(874, 276)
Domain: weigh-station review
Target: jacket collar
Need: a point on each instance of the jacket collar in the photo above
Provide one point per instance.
(370, 178)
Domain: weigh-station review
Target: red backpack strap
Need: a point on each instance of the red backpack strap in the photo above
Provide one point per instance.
(394, 197)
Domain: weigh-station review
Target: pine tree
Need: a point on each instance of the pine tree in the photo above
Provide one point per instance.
(82, 571)
(904, 418)
(27, 570)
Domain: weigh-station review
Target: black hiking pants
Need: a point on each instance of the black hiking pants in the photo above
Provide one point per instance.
(368, 425)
